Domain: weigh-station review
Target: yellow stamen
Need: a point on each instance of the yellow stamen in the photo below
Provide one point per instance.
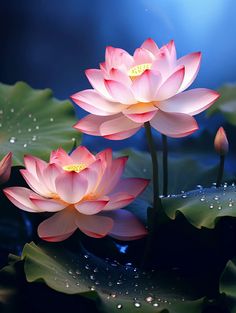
(139, 69)
(74, 167)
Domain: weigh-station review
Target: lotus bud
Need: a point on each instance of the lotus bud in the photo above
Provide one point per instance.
(5, 168)
(221, 142)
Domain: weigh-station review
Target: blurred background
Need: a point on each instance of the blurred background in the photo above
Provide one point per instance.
(49, 44)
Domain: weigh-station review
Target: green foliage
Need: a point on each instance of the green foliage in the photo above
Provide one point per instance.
(33, 122)
(226, 105)
(203, 207)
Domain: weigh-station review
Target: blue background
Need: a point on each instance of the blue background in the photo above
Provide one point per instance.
(51, 43)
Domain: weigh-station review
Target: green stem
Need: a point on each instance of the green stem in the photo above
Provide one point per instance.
(155, 179)
(154, 214)
(220, 171)
(165, 165)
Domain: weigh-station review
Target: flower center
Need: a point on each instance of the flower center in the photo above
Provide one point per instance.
(74, 167)
(139, 69)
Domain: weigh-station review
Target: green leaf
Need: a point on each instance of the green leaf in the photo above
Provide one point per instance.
(184, 174)
(226, 104)
(228, 284)
(203, 207)
(112, 285)
(33, 122)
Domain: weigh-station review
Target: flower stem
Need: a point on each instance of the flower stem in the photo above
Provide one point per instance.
(220, 171)
(155, 179)
(165, 165)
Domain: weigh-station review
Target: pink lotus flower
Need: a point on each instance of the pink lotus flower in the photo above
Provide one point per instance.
(5, 168)
(148, 86)
(86, 191)
(221, 142)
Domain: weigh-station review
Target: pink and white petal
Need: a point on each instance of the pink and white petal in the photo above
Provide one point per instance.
(122, 135)
(96, 79)
(120, 125)
(58, 227)
(47, 205)
(71, 186)
(91, 207)
(112, 176)
(38, 186)
(30, 164)
(191, 62)
(142, 117)
(171, 86)
(146, 85)
(82, 155)
(91, 101)
(118, 200)
(120, 76)
(94, 225)
(117, 58)
(126, 226)
(91, 124)
(119, 92)
(142, 56)
(132, 186)
(162, 63)
(172, 51)
(141, 107)
(60, 157)
(174, 124)
(51, 172)
(149, 44)
(105, 156)
(93, 176)
(20, 197)
(190, 102)
(5, 168)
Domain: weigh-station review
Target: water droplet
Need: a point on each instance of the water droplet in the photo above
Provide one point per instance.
(67, 285)
(12, 140)
(219, 207)
(184, 196)
(155, 304)
(77, 272)
(25, 145)
(87, 267)
(37, 127)
(211, 206)
(113, 295)
(34, 138)
(149, 299)
(70, 272)
(86, 256)
(51, 119)
(216, 198)
(29, 130)
(77, 284)
(137, 304)
(1, 111)
(119, 282)
(12, 110)
(73, 139)
(203, 198)
(0, 124)
(231, 204)
(92, 288)
(92, 277)
(95, 270)
(97, 283)
(119, 306)
(199, 186)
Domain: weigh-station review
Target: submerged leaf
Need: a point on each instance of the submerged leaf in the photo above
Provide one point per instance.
(33, 122)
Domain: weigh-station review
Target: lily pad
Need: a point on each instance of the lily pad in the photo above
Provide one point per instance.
(112, 285)
(33, 122)
(226, 105)
(228, 284)
(203, 207)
